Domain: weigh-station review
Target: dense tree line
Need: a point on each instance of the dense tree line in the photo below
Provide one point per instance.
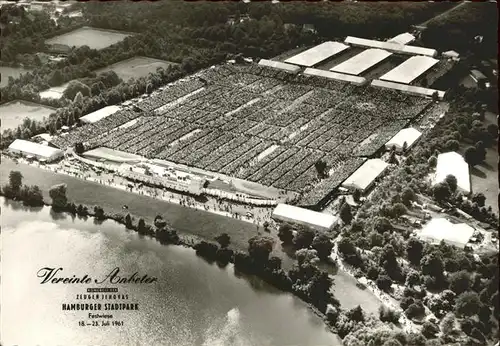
(15, 189)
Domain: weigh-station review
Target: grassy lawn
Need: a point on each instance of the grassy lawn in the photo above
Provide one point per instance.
(87, 36)
(13, 113)
(135, 67)
(484, 177)
(7, 72)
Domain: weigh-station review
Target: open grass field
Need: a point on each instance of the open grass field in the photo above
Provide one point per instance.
(13, 113)
(87, 36)
(54, 92)
(7, 72)
(135, 67)
(484, 177)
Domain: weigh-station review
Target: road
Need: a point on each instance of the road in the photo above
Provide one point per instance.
(423, 26)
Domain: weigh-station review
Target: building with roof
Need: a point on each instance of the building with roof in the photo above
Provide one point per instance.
(364, 177)
(304, 217)
(403, 38)
(279, 66)
(336, 76)
(408, 136)
(362, 62)
(317, 54)
(409, 70)
(408, 89)
(452, 163)
(35, 150)
(440, 229)
(99, 114)
(390, 46)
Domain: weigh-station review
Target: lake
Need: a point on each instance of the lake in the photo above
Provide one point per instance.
(193, 302)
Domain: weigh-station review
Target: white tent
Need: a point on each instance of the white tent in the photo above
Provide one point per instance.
(362, 62)
(390, 46)
(365, 175)
(403, 38)
(453, 163)
(317, 54)
(304, 217)
(408, 135)
(441, 229)
(408, 89)
(410, 69)
(41, 152)
(99, 114)
(279, 65)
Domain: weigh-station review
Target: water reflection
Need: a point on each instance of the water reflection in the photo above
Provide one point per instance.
(195, 303)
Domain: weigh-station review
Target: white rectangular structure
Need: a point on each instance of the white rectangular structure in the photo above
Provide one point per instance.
(403, 38)
(409, 89)
(334, 75)
(408, 136)
(361, 62)
(39, 151)
(304, 217)
(365, 175)
(441, 229)
(452, 163)
(390, 46)
(409, 70)
(99, 114)
(279, 65)
(317, 54)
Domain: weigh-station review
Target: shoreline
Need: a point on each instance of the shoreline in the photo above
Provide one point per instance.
(187, 241)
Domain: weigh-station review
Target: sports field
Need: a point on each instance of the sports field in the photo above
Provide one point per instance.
(136, 67)
(87, 36)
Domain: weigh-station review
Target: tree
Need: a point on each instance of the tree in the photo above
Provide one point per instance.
(452, 145)
(432, 265)
(384, 282)
(224, 240)
(15, 180)
(141, 226)
(479, 198)
(356, 314)
(323, 245)
(346, 213)
(471, 156)
(451, 180)
(320, 166)
(432, 162)
(259, 248)
(58, 195)
(304, 238)
(356, 195)
(306, 256)
(493, 130)
(408, 196)
(413, 278)
(415, 310)
(441, 192)
(285, 233)
(460, 282)
(128, 221)
(79, 148)
(429, 330)
(448, 324)
(467, 304)
(74, 88)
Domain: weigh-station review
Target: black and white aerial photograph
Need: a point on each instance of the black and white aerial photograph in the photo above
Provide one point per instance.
(249, 173)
